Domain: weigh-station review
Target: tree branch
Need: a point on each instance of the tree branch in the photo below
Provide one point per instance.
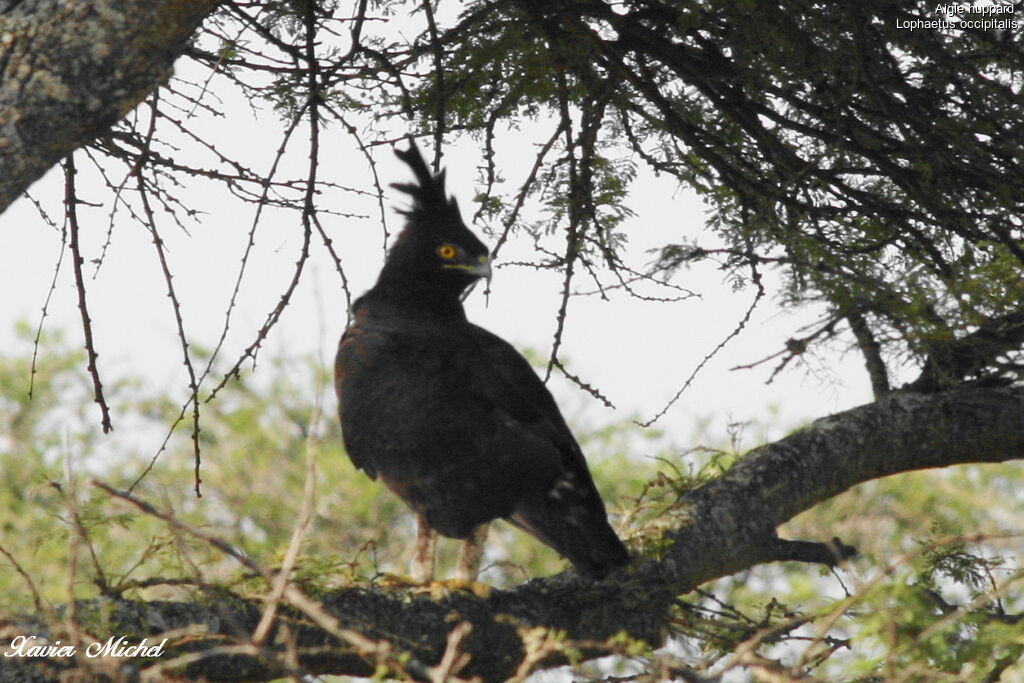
(872, 351)
(725, 526)
(976, 353)
(69, 69)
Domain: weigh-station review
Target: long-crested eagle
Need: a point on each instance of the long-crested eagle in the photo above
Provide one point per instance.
(451, 417)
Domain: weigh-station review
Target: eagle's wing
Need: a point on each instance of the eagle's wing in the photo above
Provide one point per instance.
(566, 512)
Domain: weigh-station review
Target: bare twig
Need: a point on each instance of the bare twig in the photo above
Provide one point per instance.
(46, 302)
(439, 85)
(758, 296)
(573, 229)
(71, 207)
(453, 660)
(275, 314)
(294, 545)
(590, 389)
(158, 242)
(37, 601)
(375, 652)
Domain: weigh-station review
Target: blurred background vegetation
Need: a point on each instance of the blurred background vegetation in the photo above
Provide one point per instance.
(934, 595)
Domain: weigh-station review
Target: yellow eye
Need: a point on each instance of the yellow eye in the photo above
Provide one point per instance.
(447, 252)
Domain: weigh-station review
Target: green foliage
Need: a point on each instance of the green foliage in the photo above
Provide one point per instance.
(919, 635)
(936, 592)
(886, 625)
(257, 440)
(500, 69)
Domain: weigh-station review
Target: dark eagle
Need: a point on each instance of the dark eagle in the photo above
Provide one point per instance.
(451, 417)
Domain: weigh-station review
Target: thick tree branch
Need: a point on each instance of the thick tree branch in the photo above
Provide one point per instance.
(720, 528)
(740, 511)
(69, 69)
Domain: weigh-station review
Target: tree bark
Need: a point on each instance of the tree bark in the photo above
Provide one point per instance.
(722, 527)
(70, 69)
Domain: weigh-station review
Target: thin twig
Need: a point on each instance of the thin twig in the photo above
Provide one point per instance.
(37, 601)
(71, 209)
(280, 582)
(291, 555)
(439, 85)
(158, 242)
(374, 652)
(758, 296)
(251, 350)
(572, 232)
(46, 302)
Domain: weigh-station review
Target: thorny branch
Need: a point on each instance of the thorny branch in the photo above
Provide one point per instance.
(755, 276)
(71, 206)
(577, 186)
(49, 295)
(150, 222)
(271, 318)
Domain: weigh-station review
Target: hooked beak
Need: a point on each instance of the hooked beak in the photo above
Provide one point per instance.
(482, 268)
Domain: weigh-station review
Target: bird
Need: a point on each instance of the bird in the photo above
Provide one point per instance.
(452, 418)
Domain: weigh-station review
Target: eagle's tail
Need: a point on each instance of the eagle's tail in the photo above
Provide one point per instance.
(578, 531)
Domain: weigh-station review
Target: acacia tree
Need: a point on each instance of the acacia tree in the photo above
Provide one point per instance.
(878, 168)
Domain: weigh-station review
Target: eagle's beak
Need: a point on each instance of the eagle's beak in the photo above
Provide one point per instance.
(482, 268)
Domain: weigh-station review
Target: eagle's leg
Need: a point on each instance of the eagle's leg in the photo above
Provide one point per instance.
(423, 559)
(471, 555)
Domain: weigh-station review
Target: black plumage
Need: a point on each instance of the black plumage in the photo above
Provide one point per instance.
(451, 417)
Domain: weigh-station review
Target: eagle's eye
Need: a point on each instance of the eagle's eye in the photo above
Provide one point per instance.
(447, 252)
